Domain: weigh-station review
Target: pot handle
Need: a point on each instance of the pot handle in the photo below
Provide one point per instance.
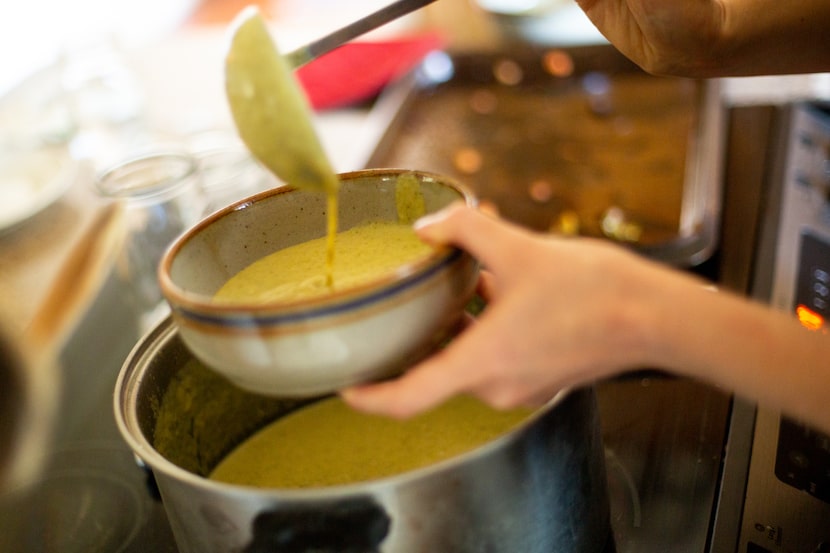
(356, 525)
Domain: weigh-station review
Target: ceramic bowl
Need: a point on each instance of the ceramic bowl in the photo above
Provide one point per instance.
(318, 345)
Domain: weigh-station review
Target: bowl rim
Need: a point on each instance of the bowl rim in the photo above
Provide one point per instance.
(307, 317)
(203, 308)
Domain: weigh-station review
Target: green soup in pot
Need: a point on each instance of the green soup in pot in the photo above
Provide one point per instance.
(328, 443)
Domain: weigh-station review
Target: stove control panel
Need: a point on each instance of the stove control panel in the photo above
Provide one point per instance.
(803, 455)
(787, 505)
(812, 291)
(801, 263)
(802, 459)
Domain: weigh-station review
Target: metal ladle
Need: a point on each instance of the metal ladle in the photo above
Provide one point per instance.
(304, 54)
(268, 106)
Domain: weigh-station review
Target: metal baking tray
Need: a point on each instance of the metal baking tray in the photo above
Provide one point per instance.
(569, 140)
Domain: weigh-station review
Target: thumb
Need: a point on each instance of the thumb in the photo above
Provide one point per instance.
(487, 238)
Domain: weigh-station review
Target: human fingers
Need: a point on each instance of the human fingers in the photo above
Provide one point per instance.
(486, 286)
(419, 389)
(487, 238)
(495, 394)
(478, 355)
(492, 360)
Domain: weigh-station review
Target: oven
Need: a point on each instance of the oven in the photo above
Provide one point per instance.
(775, 492)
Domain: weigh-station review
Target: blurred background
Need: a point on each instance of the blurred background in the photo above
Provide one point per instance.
(72, 66)
(36, 33)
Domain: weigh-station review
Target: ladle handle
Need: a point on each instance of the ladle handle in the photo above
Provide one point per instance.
(317, 48)
(77, 281)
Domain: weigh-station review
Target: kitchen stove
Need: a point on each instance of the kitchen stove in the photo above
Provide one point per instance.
(677, 452)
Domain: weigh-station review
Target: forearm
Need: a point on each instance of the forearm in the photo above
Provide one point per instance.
(774, 37)
(717, 38)
(732, 343)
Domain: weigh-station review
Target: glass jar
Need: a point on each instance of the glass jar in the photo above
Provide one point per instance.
(163, 197)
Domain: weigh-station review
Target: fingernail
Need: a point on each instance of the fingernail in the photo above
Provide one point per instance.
(428, 220)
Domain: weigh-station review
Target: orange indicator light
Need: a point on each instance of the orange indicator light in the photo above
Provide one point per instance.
(809, 318)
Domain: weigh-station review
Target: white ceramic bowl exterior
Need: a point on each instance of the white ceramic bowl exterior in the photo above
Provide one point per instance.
(314, 346)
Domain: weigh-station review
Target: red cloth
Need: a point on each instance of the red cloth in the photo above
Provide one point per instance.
(359, 70)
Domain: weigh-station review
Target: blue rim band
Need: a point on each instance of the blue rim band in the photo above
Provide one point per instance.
(248, 321)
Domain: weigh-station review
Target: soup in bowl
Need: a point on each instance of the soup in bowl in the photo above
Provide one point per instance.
(256, 297)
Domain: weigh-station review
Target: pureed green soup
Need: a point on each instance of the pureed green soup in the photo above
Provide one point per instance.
(328, 443)
(354, 257)
(363, 254)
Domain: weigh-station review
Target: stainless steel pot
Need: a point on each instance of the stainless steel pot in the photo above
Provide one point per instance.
(541, 488)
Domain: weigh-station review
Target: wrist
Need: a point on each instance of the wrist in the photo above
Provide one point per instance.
(766, 37)
(669, 317)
